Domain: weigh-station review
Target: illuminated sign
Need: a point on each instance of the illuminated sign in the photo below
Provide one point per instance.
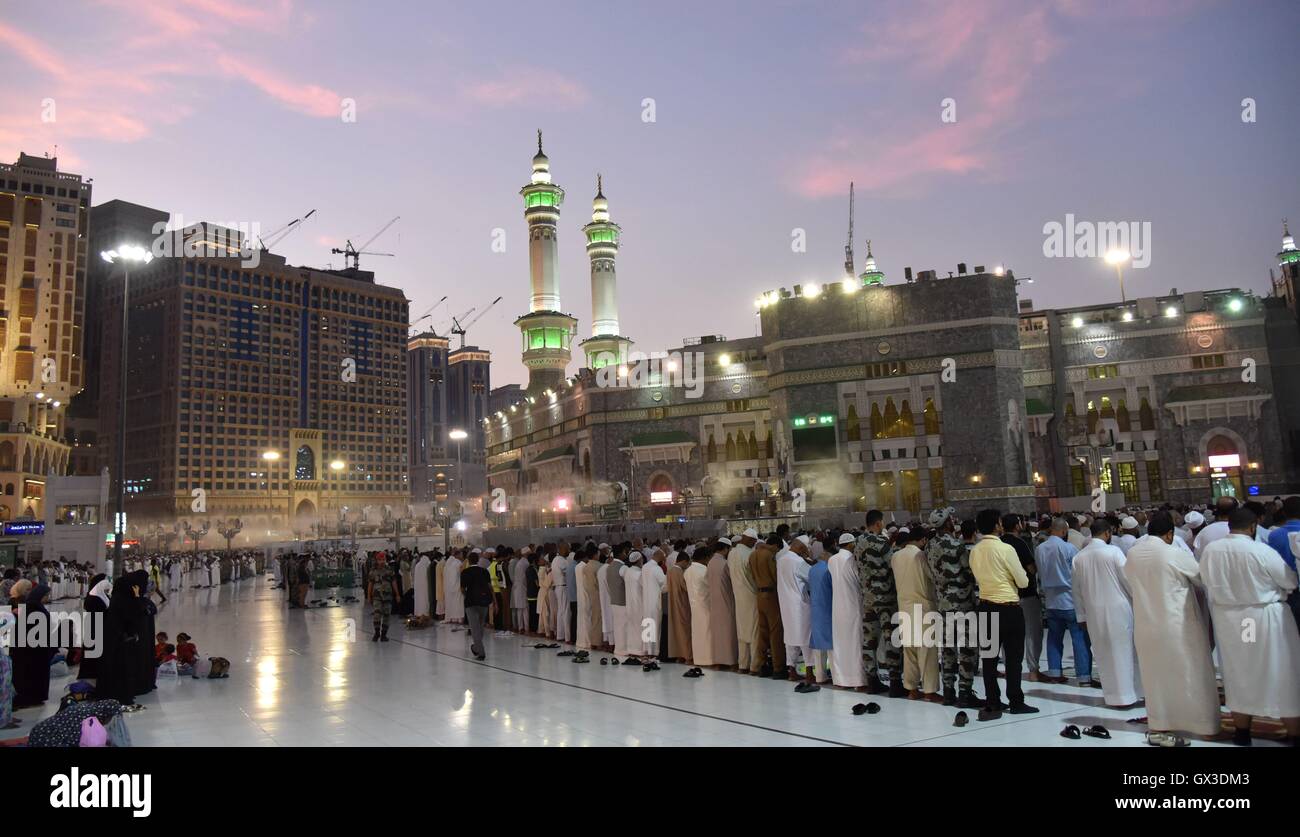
(813, 421)
(660, 498)
(25, 527)
(1227, 460)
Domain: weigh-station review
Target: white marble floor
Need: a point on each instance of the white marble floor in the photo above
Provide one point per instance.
(313, 678)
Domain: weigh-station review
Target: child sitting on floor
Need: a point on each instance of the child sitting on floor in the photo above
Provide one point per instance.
(159, 648)
(187, 654)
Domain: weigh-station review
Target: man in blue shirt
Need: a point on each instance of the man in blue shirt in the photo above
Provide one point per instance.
(1287, 526)
(821, 593)
(1055, 560)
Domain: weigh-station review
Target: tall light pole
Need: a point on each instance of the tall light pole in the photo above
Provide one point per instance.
(459, 436)
(126, 255)
(337, 466)
(1117, 258)
(269, 456)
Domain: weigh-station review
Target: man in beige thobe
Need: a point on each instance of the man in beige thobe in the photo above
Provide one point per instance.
(679, 609)
(722, 607)
(915, 600)
(746, 595)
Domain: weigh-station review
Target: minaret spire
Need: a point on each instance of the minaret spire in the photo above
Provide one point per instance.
(539, 140)
(871, 275)
(605, 347)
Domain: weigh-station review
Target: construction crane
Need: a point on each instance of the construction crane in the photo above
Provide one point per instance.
(427, 314)
(849, 261)
(277, 235)
(459, 328)
(352, 255)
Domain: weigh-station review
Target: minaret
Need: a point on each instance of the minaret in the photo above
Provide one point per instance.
(871, 274)
(547, 331)
(1288, 254)
(605, 346)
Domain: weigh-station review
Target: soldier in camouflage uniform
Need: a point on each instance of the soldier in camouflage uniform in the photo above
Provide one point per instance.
(879, 603)
(382, 592)
(949, 559)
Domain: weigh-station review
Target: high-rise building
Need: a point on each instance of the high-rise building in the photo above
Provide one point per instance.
(547, 331)
(266, 391)
(112, 224)
(44, 220)
(447, 390)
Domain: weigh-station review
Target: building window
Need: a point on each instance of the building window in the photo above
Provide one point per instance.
(1155, 490)
(1079, 479)
(1128, 481)
(1207, 361)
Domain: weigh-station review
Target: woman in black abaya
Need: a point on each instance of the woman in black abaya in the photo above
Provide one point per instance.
(123, 623)
(32, 665)
(143, 666)
(96, 601)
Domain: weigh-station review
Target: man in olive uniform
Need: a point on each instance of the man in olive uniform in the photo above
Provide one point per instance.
(769, 634)
(382, 592)
(879, 603)
(954, 587)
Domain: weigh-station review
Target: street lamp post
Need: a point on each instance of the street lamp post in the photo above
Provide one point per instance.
(125, 254)
(337, 466)
(459, 436)
(269, 456)
(1117, 258)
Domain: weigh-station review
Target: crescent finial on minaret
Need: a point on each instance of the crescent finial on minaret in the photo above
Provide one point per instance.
(599, 187)
(539, 140)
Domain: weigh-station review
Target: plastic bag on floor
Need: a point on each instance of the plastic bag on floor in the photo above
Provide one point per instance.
(118, 734)
(93, 733)
(168, 670)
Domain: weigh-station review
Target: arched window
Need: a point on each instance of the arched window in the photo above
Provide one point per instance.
(711, 450)
(304, 466)
(891, 419)
(851, 423)
(877, 422)
(1145, 416)
(753, 445)
(931, 418)
(731, 448)
(1093, 417)
(1122, 417)
(6, 456)
(906, 425)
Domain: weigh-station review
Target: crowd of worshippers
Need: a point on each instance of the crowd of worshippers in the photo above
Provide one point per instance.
(1159, 604)
(131, 653)
(66, 579)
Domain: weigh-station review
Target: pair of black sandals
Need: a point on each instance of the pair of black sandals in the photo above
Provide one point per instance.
(1095, 731)
(694, 672)
(866, 708)
(805, 688)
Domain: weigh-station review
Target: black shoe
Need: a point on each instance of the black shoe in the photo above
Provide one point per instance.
(1023, 709)
(896, 690)
(1241, 737)
(987, 714)
(949, 696)
(966, 699)
(874, 686)
(375, 638)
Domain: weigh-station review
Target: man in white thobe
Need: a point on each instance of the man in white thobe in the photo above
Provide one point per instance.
(697, 589)
(1248, 583)
(1103, 605)
(1128, 534)
(1172, 633)
(174, 575)
(559, 573)
(453, 599)
(423, 597)
(653, 582)
(583, 639)
(846, 616)
(795, 601)
(746, 596)
(602, 584)
(1220, 528)
(519, 592)
(634, 611)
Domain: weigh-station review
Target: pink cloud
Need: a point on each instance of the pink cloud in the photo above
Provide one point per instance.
(310, 99)
(528, 85)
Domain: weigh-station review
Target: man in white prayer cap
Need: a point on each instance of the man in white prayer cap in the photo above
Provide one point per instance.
(1128, 528)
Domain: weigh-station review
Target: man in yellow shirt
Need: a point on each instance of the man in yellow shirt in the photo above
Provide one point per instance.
(999, 575)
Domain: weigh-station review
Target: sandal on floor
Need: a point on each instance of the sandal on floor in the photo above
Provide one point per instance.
(604, 661)
(582, 659)
(1097, 731)
(565, 654)
(694, 672)
(1166, 739)
(961, 720)
(1141, 720)
(614, 661)
(1071, 732)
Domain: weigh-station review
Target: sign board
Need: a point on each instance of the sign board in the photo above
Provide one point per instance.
(25, 527)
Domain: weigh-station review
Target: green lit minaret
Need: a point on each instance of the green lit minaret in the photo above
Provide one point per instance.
(605, 346)
(547, 331)
(1288, 254)
(871, 275)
